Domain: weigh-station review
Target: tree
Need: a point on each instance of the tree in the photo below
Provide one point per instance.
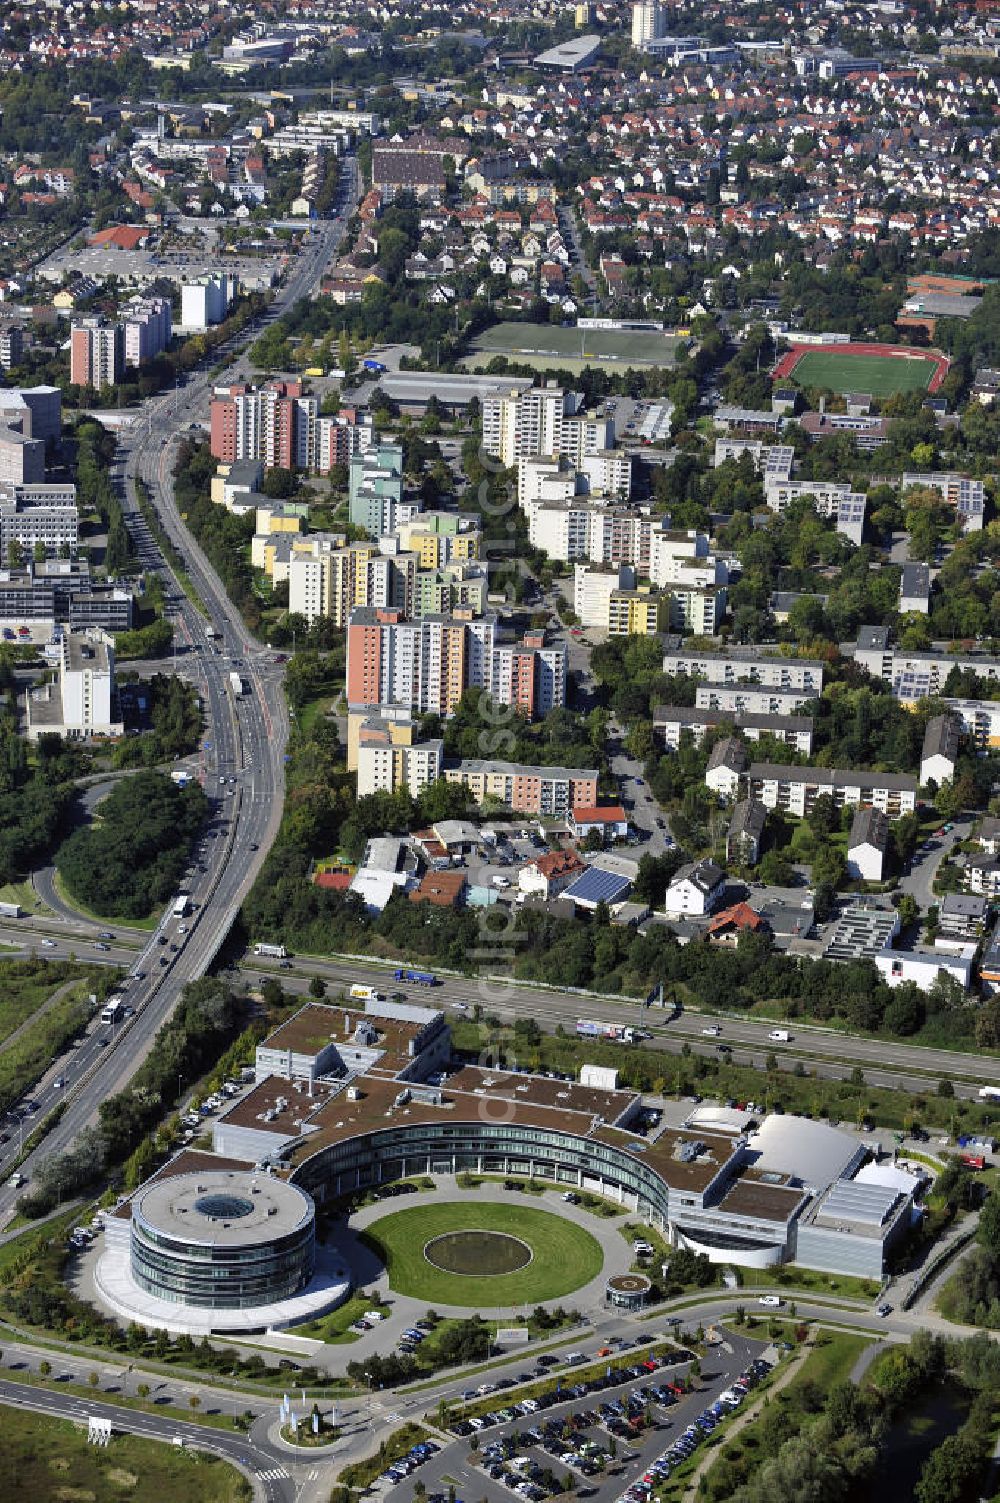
(143, 1391)
(44, 1367)
(317, 987)
(989, 1227)
(93, 1378)
(194, 1402)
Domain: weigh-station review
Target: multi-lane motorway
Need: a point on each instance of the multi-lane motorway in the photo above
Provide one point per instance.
(827, 1053)
(243, 746)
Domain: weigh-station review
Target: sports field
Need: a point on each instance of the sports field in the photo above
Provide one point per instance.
(563, 1256)
(879, 375)
(555, 346)
(881, 370)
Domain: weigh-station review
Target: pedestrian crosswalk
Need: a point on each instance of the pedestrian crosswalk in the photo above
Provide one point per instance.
(276, 1474)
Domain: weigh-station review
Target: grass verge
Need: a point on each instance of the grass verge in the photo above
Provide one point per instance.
(47, 1458)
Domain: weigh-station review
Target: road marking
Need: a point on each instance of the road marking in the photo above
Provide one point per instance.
(276, 1474)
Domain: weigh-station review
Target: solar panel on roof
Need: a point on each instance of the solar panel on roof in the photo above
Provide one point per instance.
(596, 885)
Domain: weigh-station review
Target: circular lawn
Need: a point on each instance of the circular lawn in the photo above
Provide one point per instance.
(563, 1257)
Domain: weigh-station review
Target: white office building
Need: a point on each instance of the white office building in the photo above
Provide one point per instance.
(82, 702)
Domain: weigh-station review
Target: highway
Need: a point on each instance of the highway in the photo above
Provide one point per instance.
(829, 1054)
(243, 747)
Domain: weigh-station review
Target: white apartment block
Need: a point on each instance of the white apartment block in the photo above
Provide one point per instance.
(825, 495)
(795, 790)
(914, 675)
(747, 666)
(543, 479)
(966, 495)
(697, 608)
(542, 420)
(605, 472)
(386, 769)
(593, 586)
(670, 723)
(207, 301)
(147, 326)
(528, 422)
(768, 459)
(744, 700)
(676, 556)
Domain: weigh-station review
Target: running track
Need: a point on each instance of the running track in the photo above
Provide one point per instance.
(786, 365)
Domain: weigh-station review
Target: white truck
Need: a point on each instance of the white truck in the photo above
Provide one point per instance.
(237, 685)
(779, 1036)
(365, 994)
(275, 952)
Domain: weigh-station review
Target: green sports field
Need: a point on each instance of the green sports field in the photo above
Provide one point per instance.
(542, 345)
(879, 375)
(563, 1256)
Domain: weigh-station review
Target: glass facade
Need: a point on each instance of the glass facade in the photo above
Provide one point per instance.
(217, 1276)
(490, 1147)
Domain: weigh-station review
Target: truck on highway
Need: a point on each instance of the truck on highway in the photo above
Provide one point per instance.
(418, 978)
(779, 1036)
(989, 1093)
(182, 905)
(275, 952)
(10, 910)
(237, 685)
(365, 994)
(613, 1033)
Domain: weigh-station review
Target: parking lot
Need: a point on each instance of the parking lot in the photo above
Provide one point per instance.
(605, 1433)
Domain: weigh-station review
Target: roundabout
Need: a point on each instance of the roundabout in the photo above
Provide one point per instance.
(479, 1254)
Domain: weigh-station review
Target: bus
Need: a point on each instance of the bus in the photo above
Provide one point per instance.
(112, 1011)
(182, 904)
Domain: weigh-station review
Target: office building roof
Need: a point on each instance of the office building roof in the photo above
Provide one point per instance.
(813, 1151)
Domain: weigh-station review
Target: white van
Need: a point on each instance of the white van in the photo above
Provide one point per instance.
(779, 1036)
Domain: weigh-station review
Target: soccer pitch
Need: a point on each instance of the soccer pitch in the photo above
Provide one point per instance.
(556, 345)
(879, 375)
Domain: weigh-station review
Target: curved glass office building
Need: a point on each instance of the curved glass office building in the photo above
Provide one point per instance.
(222, 1239)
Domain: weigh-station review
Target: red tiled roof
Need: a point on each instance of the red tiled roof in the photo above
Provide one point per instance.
(609, 814)
(739, 916)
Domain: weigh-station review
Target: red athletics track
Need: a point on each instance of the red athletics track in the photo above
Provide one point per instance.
(786, 365)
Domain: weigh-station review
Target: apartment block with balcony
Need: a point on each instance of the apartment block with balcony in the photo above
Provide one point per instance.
(389, 756)
(554, 791)
(671, 722)
(746, 665)
(794, 790)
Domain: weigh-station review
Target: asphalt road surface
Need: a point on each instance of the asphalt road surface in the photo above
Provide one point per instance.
(831, 1055)
(243, 746)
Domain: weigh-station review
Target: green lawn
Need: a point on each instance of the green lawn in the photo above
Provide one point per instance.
(553, 345)
(880, 375)
(25, 894)
(51, 1459)
(564, 1256)
(789, 1277)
